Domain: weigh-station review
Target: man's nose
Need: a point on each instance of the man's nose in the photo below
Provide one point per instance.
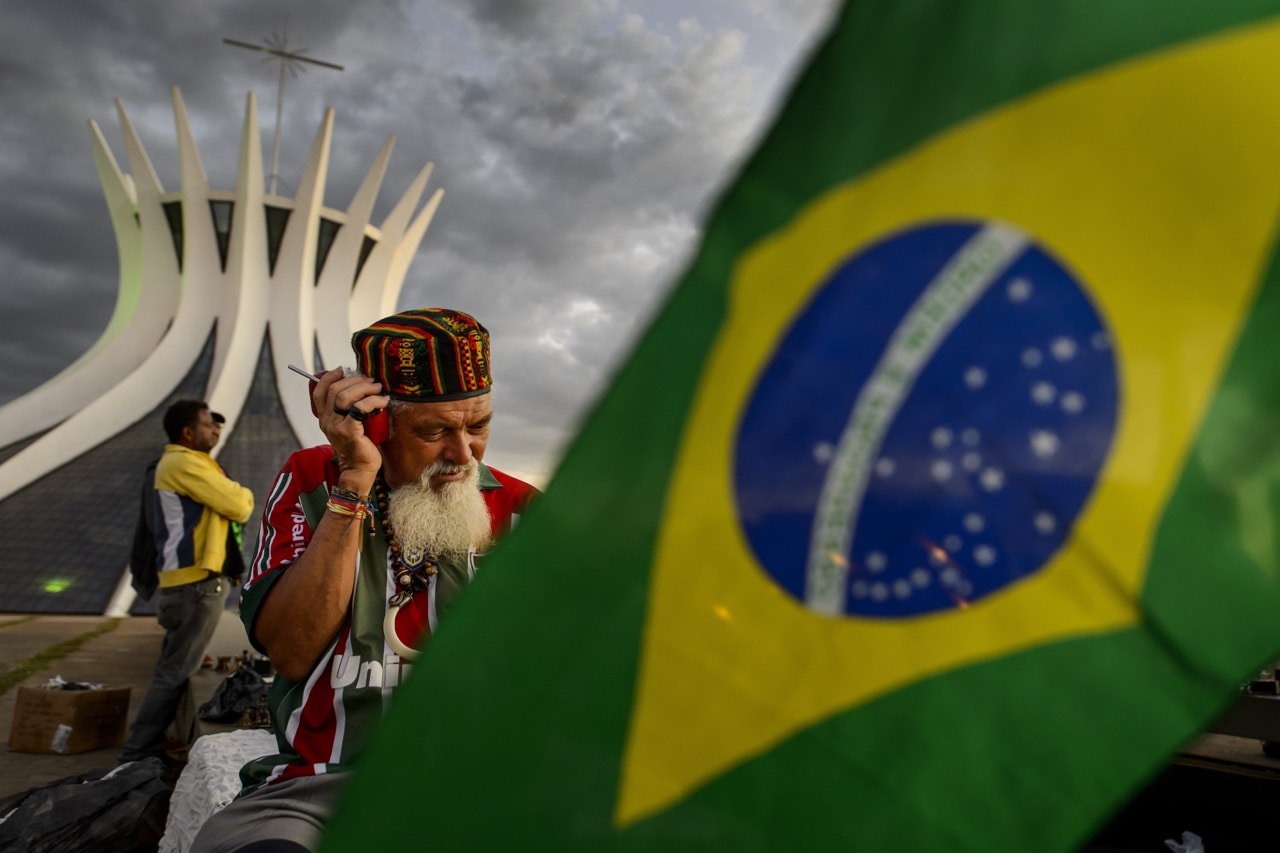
(457, 450)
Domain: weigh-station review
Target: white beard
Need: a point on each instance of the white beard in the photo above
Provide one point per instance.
(453, 519)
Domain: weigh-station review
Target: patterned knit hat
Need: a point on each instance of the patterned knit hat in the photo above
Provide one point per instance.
(426, 355)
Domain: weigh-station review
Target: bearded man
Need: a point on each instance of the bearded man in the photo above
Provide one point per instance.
(363, 547)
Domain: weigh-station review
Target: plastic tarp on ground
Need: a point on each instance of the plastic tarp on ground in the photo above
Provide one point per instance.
(111, 810)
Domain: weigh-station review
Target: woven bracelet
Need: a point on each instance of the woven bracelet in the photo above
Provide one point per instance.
(343, 508)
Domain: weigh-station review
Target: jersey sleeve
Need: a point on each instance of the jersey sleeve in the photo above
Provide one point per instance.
(284, 534)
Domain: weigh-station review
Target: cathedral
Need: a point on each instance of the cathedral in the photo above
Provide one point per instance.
(220, 290)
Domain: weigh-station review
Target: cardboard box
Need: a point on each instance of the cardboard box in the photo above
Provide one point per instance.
(63, 722)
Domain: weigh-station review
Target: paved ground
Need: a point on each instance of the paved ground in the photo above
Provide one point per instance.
(123, 657)
(1222, 786)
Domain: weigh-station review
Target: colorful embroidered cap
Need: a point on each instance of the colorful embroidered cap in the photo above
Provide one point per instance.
(426, 355)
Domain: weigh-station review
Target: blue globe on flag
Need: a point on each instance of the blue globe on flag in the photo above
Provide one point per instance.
(929, 427)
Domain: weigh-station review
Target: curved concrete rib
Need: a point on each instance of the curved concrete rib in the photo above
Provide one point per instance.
(244, 287)
(137, 322)
(402, 256)
(377, 287)
(293, 293)
(334, 288)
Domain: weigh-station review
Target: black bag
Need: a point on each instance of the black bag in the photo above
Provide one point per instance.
(240, 698)
(143, 556)
(233, 566)
(112, 810)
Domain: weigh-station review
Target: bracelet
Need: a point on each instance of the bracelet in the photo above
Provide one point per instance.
(347, 494)
(342, 508)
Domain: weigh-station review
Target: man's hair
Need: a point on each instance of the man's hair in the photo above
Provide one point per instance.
(183, 413)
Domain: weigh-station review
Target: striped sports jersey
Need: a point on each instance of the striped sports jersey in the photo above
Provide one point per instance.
(321, 723)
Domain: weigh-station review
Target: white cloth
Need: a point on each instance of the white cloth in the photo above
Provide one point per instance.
(210, 780)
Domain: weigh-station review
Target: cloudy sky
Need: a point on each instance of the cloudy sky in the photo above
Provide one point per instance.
(579, 143)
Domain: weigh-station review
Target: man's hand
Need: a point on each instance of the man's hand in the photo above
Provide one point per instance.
(335, 395)
(306, 608)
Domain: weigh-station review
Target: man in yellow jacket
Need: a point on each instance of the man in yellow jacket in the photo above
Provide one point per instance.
(195, 503)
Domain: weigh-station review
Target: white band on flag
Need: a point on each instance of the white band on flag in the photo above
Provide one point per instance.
(939, 308)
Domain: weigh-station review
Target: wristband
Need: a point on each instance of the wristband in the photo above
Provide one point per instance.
(343, 509)
(347, 495)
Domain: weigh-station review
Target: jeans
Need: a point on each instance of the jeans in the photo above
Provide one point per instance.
(189, 614)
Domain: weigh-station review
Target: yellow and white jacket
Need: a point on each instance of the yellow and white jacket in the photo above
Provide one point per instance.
(195, 502)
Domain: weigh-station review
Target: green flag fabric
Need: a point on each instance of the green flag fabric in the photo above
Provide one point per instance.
(936, 510)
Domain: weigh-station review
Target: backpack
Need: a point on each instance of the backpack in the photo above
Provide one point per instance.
(233, 567)
(143, 556)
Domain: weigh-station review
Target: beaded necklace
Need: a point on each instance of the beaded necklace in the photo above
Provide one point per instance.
(412, 569)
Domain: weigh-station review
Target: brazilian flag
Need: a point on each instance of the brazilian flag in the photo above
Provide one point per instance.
(938, 507)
